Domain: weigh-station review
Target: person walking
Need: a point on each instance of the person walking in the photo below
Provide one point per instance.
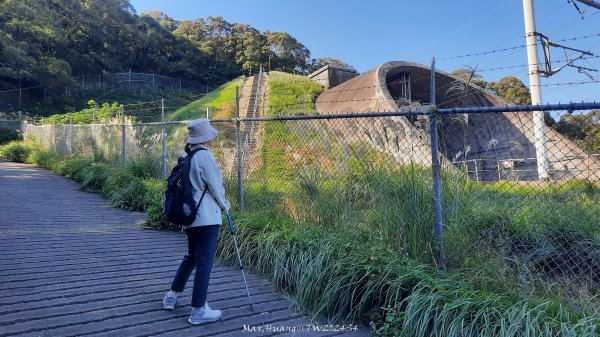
(203, 233)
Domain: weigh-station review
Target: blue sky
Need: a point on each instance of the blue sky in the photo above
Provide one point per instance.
(367, 33)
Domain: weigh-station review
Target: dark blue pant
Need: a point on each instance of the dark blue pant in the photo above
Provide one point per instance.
(202, 245)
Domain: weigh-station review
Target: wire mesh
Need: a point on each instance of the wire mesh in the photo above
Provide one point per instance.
(25, 96)
(373, 173)
(540, 235)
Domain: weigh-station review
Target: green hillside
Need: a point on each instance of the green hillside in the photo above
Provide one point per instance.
(290, 94)
(220, 101)
(50, 43)
(287, 94)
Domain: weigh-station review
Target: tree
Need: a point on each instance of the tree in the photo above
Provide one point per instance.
(250, 46)
(319, 63)
(470, 75)
(163, 19)
(286, 53)
(50, 42)
(511, 89)
(584, 129)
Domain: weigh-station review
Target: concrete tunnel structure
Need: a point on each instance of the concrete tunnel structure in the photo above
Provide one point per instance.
(489, 146)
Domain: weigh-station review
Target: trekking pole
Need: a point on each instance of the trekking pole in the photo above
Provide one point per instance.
(237, 250)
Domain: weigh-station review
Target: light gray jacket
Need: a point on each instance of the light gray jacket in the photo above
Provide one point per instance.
(204, 172)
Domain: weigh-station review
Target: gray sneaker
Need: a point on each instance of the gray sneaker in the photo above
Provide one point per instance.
(204, 315)
(169, 302)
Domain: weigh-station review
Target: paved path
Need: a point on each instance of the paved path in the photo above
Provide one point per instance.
(72, 266)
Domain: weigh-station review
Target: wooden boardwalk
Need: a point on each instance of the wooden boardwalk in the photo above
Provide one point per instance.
(72, 266)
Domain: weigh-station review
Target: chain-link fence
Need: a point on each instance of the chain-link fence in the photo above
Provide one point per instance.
(502, 214)
(22, 96)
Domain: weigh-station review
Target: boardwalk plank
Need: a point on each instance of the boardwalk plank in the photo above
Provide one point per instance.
(72, 266)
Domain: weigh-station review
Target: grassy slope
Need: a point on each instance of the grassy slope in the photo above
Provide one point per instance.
(221, 102)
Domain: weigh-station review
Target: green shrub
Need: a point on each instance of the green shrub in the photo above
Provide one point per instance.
(47, 159)
(125, 190)
(16, 151)
(94, 177)
(146, 166)
(74, 167)
(155, 199)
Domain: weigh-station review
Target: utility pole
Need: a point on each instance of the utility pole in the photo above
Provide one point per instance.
(539, 132)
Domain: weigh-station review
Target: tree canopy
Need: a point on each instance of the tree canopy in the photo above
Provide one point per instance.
(49, 42)
(320, 62)
(584, 129)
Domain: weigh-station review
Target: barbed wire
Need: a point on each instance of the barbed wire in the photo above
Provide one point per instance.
(515, 47)
(593, 80)
(140, 103)
(19, 89)
(527, 65)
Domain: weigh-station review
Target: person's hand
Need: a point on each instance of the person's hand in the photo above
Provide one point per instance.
(227, 205)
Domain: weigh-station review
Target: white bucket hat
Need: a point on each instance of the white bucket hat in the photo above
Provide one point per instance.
(200, 131)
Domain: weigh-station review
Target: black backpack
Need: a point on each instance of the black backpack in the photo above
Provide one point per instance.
(180, 207)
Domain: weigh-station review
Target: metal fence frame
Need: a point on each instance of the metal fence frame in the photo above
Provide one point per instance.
(430, 111)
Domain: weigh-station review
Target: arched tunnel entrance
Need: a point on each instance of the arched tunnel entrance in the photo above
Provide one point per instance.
(486, 146)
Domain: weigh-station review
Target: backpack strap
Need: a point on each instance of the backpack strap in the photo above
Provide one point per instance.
(190, 153)
(202, 197)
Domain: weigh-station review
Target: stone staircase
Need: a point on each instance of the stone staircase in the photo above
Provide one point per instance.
(251, 132)
(253, 98)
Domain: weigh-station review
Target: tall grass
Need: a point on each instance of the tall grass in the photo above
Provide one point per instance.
(347, 272)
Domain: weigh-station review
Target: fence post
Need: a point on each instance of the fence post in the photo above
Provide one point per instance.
(83, 83)
(432, 111)
(499, 172)
(70, 134)
(124, 137)
(239, 149)
(20, 94)
(587, 160)
(164, 138)
(130, 77)
(153, 82)
(180, 85)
